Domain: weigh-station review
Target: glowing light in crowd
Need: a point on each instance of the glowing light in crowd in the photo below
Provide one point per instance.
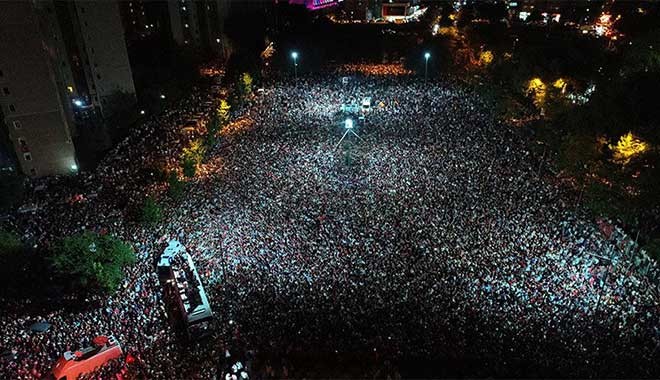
(605, 18)
(348, 124)
(627, 147)
(294, 55)
(141, 112)
(74, 167)
(560, 84)
(427, 55)
(162, 96)
(78, 102)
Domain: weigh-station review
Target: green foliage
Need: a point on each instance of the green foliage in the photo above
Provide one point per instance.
(10, 244)
(212, 129)
(246, 84)
(13, 258)
(92, 261)
(11, 191)
(579, 153)
(176, 186)
(195, 152)
(223, 113)
(189, 168)
(151, 212)
(644, 54)
(213, 126)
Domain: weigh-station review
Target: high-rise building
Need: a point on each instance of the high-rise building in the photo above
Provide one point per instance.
(59, 61)
(97, 48)
(199, 24)
(36, 107)
(136, 24)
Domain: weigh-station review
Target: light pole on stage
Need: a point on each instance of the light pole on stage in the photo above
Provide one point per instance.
(427, 55)
(294, 55)
(348, 125)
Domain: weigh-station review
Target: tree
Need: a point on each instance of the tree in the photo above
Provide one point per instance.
(192, 156)
(176, 186)
(579, 153)
(223, 113)
(151, 212)
(212, 129)
(92, 261)
(189, 168)
(626, 148)
(12, 257)
(12, 190)
(245, 85)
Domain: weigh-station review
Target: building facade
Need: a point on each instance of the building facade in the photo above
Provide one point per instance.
(99, 56)
(60, 62)
(199, 24)
(37, 110)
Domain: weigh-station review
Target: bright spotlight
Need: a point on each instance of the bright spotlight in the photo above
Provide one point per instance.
(162, 96)
(78, 102)
(348, 124)
(427, 55)
(74, 167)
(141, 112)
(294, 55)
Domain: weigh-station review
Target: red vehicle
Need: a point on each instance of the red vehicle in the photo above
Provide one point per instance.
(73, 364)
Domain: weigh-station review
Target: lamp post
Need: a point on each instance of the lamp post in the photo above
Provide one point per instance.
(294, 55)
(427, 55)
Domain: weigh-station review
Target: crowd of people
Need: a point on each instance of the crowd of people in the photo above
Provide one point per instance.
(430, 234)
(384, 69)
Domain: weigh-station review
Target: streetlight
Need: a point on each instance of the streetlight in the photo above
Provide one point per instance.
(427, 55)
(294, 55)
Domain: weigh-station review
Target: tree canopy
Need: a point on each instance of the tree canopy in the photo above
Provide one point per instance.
(92, 261)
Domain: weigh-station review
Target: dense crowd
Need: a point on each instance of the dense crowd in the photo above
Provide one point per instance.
(433, 235)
